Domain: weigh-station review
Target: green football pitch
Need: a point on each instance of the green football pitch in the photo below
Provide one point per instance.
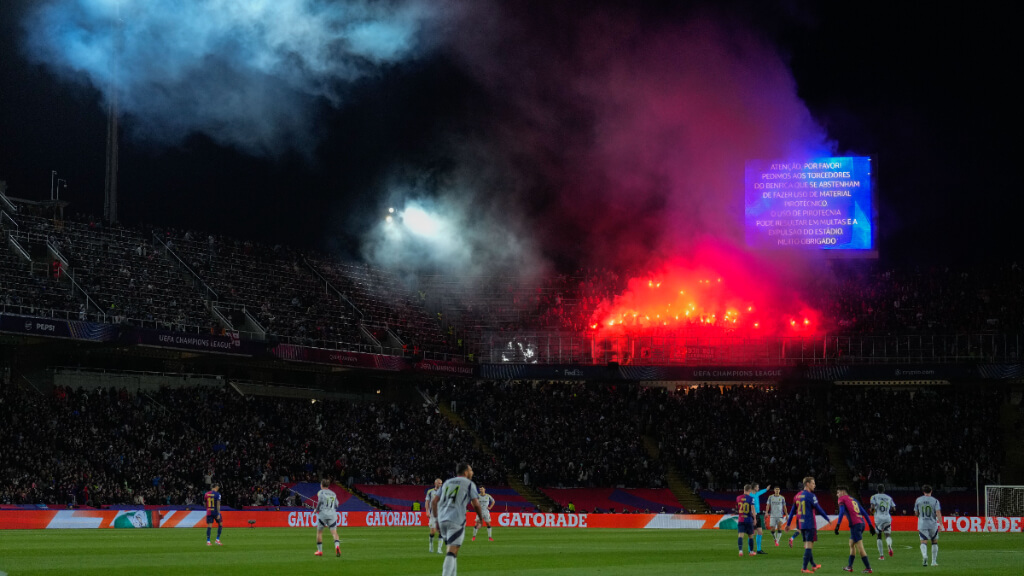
(528, 551)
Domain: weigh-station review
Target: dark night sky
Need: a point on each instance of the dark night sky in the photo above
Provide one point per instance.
(926, 91)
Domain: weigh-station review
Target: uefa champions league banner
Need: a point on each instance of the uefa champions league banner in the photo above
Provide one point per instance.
(64, 519)
(212, 343)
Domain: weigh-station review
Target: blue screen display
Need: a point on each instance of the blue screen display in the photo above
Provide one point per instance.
(820, 204)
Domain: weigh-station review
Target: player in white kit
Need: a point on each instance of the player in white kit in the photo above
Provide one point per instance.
(450, 509)
(881, 506)
(777, 511)
(486, 503)
(929, 523)
(327, 517)
(431, 518)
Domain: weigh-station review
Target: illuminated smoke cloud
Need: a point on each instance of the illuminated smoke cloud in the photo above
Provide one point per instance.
(636, 131)
(623, 143)
(247, 73)
(453, 224)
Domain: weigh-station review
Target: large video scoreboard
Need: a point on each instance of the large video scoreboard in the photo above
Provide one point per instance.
(821, 204)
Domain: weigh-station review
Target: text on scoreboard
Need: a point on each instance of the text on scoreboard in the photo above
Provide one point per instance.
(823, 204)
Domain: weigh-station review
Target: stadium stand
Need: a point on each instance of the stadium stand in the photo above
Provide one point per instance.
(316, 300)
(722, 438)
(31, 288)
(272, 283)
(864, 298)
(645, 500)
(110, 446)
(131, 281)
(927, 433)
(386, 304)
(560, 434)
(585, 442)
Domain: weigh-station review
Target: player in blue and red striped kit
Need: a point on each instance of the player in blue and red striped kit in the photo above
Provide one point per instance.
(212, 501)
(858, 515)
(745, 519)
(805, 503)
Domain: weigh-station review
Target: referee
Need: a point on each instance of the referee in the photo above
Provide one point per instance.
(759, 526)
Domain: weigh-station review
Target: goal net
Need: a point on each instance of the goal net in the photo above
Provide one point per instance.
(1004, 500)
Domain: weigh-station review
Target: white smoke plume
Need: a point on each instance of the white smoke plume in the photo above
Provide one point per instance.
(246, 73)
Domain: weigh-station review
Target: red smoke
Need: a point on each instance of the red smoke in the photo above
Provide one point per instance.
(630, 135)
(714, 290)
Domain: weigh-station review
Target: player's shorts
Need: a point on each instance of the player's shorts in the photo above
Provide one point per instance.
(327, 521)
(883, 526)
(760, 520)
(777, 520)
(453, 532)
(485, 517)
(809, 534)
(212, 517)
(929, 533)
(745, 528)
(856, 533)
(432, 523)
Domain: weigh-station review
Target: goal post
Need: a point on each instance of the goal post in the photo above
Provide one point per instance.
(1003, 500)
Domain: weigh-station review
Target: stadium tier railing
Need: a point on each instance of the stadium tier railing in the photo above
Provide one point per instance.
(543, 347)
(342, 346)
(6, 220)
(208, 293)
(45, 312)
(69, 273)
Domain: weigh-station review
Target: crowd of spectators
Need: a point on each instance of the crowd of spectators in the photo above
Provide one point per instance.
(271, 282)
(110, 446)
(560, 434)
(387, 304)
(34, 292)
(127, 277)
(904, 437)
(99, 447)
(722, 437)
(133, 280)
(866, 298)
(854, 297)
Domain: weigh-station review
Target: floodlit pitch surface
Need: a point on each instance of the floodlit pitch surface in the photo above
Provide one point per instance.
(401, 551)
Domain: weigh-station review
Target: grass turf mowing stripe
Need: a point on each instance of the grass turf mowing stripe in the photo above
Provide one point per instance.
(530, 552)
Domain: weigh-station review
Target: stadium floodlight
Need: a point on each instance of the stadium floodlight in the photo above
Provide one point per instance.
(420, 222)
(1003, 500)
